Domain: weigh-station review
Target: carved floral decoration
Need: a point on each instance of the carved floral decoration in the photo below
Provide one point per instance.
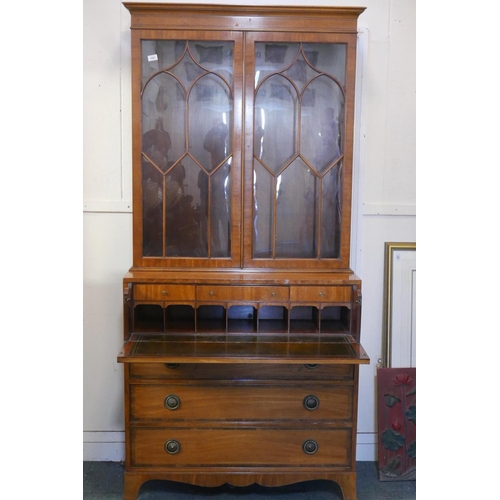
(397, 423)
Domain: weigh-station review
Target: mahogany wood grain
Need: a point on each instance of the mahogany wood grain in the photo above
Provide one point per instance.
(320, 293)
(164, 292)
(209, 371)
(241, 402)
(244, 447)
(242, 293)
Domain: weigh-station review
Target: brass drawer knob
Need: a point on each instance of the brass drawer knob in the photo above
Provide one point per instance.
(211, 293)
(311, 402)
(172, 402)
(311, 366)
(321, 294)
(273, 294)
(310, 447)
(172, 446)
(164, 292)
(172, 366)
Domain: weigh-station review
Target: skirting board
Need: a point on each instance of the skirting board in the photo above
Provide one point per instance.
(105, 446)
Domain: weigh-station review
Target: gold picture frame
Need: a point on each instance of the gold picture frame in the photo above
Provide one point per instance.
(391, 249)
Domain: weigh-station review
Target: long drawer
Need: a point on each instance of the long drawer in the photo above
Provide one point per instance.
(239, 447)
(243, 403)
(210, 371)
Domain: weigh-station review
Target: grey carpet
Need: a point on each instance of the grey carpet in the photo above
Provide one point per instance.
(104, 481)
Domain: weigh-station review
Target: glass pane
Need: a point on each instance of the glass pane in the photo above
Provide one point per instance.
(296, 212)
(321, 115)
(276, 123)
(158, 55)
(331, 213)
(152, 209)
(220, 208)
(329, 58)
(185, 219)
(216, 57)
(263, 187)
(273, 57)
(301, 72)
(187, 116)
(210, 120)
(163, 120)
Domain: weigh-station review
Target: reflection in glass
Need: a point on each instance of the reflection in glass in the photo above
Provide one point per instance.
(321, 114)
(163, 102)
(220, 199)
(210, 120)
(329, 58)
(276, 112)
(152, 209)
(187, 115)
(296, 212)
(298, 149)
(272, 58)
(185, 217)
(263, 187)
(331, 212)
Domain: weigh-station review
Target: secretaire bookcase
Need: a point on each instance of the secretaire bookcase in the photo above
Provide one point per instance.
(241, 313)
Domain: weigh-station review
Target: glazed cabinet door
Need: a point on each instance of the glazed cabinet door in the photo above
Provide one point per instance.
(298, 149)
(187, 125)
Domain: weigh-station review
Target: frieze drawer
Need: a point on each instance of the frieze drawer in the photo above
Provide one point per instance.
(164, 292)
(180, 446)
(242, 293)
(320, 294)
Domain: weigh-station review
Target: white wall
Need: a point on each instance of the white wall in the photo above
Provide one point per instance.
(384, 195)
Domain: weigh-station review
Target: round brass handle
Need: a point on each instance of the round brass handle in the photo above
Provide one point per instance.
(273, 294)
(310, 447)
(311, 366)
(164, 292)
(211, 293)
(321, 294)
(172, 402)
(311, 402)
(172, 446)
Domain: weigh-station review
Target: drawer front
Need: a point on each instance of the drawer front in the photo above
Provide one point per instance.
(230, 402)
(164, 292)
(320, 293)
(244, 447)
(209, 371)
(242, 293)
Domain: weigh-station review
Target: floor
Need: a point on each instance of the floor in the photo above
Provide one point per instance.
(104, 481)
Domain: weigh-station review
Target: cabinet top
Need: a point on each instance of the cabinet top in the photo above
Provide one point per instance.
(243, 17)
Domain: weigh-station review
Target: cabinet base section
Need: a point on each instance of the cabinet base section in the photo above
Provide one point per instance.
(134, 480)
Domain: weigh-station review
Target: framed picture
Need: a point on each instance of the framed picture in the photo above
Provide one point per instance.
(399, 335)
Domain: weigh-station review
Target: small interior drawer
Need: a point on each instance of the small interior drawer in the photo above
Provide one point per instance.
(242, 293)
(320, 293)
(164, 292)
